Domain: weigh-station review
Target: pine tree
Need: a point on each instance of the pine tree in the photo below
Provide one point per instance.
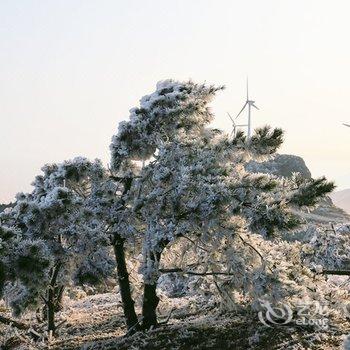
(193, 181)
(62, 236)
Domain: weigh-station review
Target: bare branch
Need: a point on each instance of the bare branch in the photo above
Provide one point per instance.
(195, 273)
(11, 322)
(336, 272)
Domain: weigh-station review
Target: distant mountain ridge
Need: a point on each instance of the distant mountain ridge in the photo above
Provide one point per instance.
(342, 199)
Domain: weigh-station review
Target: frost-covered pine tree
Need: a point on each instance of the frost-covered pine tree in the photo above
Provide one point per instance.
(62, 236)
(193, 183)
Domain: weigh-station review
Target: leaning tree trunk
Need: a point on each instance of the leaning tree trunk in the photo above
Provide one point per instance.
(150, 300)
(51, 301)
(124, 284)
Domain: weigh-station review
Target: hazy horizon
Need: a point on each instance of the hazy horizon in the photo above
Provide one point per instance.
(71, 70)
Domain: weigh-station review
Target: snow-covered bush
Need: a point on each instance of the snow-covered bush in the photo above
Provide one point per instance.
(62, 235)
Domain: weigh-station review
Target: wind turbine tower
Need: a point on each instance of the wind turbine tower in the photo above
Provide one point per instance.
(248, 103)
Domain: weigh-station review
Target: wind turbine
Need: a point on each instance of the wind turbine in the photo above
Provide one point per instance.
(235, 126)
(250, 104)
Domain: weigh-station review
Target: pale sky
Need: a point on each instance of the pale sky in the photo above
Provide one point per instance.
(70, 71)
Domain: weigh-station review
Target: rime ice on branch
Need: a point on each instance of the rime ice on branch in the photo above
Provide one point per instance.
(61, 225)
(193, 183)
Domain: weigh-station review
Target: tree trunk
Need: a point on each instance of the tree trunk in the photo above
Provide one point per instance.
(124, 284)
(59, 299)
(51, 301)
(149, 306)
(150, 300)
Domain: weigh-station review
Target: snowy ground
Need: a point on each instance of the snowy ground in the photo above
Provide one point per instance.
(95, 322)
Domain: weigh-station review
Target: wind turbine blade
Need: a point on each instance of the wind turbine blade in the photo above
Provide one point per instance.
(254, 106)
(348, 125)
(230, 117)
(241, 110)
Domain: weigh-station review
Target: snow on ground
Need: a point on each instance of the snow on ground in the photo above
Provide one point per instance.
(95, 322)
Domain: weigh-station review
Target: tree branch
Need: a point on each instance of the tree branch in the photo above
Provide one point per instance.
(11, 322)
(336, 272)
(195, 273)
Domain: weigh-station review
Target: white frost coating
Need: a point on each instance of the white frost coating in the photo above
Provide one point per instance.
(194, 186)
(61, 223)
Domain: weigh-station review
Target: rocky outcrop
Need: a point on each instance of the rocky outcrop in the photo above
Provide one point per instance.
(281, 165)
(285, 165)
